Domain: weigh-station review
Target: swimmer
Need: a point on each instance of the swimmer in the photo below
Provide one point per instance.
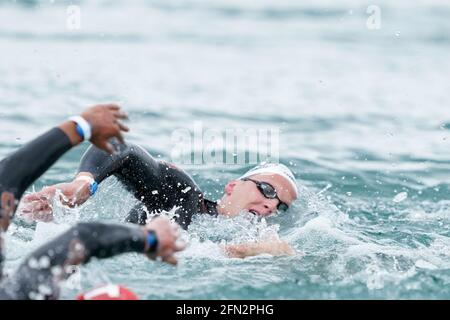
(38, 277)
(17, 171)
(160, 185)
(97, 124)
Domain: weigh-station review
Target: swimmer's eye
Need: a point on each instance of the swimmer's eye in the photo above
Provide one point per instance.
(269, 192)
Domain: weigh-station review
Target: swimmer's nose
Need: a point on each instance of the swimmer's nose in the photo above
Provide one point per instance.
(265, 209)
(270, 206)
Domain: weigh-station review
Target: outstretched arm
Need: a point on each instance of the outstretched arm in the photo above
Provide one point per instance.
(131, 164)
(24, 166)
(156, 184)
(274, 248)
(38, 276)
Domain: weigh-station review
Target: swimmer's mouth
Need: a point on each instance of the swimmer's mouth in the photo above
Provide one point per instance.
(256, 213)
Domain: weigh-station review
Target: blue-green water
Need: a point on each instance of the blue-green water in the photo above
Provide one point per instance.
(364, 118)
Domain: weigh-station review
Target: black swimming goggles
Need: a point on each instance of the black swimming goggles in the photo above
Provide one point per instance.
(269, 192)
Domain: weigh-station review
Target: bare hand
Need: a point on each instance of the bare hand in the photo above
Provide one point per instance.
(104, 120)
(167, 233)
(38, 206)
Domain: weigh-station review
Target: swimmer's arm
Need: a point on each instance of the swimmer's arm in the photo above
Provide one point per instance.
(275, 248)
(24, 166)
(20, 169)
(132, 165)
(130, 160)
(76, 246)
(46, 266)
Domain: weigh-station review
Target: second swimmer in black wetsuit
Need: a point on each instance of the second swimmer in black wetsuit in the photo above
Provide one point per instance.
(160, 186)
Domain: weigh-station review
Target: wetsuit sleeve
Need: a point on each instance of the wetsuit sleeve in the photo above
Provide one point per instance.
(139, 172)
(127, 164)
(157, 184)
(20, 169)
(39, 274)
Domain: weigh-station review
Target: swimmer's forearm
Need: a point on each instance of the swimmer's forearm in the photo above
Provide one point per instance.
(277, 248)
(24, 166)
(76, 246)
(86, 240)
(99, 240)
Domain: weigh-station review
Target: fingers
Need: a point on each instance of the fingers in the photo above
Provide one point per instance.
(117, 113)
(180, 245)
(65, 201)
(105, 146)
(106, 124)
(167, 258)
(113, 107)
(120, 115)
(37, 202)
(123, 127)
(170, 259)
(44, 194)
(108, 147)
(169, 241)
(32, 197)
(175, 230)
(119, 137)
(35, 206)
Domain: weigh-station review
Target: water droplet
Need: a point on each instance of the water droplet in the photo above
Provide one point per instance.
(400, 197)
(186, 190)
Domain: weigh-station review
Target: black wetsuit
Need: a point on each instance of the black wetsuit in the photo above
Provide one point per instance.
(21, 168)
(159, 185)
(38, 275)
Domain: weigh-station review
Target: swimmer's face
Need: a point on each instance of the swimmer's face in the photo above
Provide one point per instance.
(245, 195)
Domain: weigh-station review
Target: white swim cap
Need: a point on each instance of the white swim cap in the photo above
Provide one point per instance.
(276, 168)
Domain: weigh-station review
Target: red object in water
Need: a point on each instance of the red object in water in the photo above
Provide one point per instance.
(108, 292)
